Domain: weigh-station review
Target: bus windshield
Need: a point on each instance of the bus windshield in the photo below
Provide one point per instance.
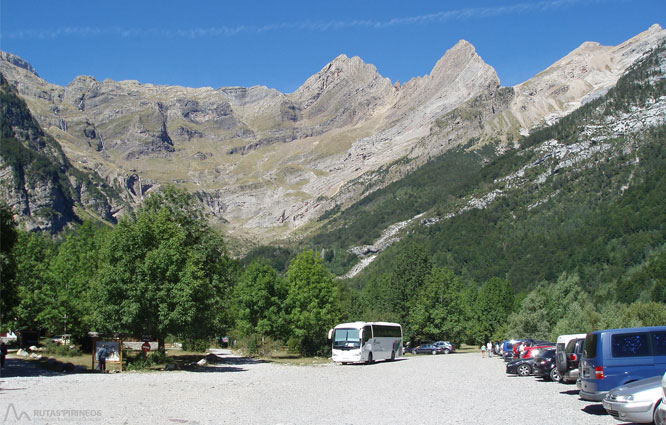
(346, 339)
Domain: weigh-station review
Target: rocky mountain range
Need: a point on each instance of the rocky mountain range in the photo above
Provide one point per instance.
(265, 164)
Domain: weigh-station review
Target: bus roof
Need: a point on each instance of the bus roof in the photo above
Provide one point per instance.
(359, 325)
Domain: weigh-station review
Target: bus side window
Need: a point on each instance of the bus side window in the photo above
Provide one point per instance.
(367, 333)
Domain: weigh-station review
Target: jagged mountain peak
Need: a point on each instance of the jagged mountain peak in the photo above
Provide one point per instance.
(17, 61)
(655, 28)
(353, 70)
(343, 75)
(456, 59)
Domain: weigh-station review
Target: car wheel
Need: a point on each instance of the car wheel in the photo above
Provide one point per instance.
(434, 352)
(524, 370)
(554, 374)
(657, 418)
(447, 351)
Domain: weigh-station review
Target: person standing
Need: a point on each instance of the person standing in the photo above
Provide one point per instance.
(490, 349)
(483, 350)
(101, 357)
(3, 354)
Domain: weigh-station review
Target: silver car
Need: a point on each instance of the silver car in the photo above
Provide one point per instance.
(636, 402)
(660, 417)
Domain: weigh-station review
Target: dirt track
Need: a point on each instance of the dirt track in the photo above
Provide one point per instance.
(455, 389)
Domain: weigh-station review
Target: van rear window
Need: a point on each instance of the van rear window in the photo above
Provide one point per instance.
(630, 345)
(590, 350)
(571, 346)
(659, 343)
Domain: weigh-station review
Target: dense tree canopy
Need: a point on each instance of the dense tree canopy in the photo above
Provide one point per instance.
(312, 302)
(158, 274)
(8, 239)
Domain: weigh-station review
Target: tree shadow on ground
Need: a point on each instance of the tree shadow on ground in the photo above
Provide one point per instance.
(214, 369)
(15, 368)
(216, 360)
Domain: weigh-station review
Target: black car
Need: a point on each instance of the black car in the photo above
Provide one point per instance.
(545, 366)
(522, 367)
(427, 349)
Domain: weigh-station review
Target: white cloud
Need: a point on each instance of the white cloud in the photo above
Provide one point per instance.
(230, 31)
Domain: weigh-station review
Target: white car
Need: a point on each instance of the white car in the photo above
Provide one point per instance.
(637, 402)
(446, 345)
(660, 417)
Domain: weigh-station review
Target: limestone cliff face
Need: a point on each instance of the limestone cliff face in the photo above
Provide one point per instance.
(264, 163)
(37, 180)
(585, 73)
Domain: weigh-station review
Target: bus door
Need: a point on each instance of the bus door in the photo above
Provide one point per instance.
(366, 339)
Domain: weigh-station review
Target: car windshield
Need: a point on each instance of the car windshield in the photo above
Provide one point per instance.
(346, 339)
(547, 354)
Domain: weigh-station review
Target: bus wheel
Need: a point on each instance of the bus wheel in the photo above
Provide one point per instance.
(392, 355)
(370, 358)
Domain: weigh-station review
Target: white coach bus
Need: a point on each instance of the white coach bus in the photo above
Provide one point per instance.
(366, 342)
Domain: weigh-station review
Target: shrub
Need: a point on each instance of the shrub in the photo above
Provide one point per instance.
(55, 349)
(294, 345)
(196, 345)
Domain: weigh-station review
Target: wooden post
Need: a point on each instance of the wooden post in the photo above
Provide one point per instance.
(121, 354)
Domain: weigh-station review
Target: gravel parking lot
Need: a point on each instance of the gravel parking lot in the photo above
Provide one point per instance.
(456, 388)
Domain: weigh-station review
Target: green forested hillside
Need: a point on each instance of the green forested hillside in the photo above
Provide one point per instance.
(573, 221)
(597, 217)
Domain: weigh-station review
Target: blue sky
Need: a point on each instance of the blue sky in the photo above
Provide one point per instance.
(281, 43)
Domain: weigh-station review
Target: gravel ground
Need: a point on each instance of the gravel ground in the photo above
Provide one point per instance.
(455, 389)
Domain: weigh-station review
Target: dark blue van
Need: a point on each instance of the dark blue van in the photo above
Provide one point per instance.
(615, 357)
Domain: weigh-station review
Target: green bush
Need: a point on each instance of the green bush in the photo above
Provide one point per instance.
(55, 349)
(142, 361)
(196, 345)
(294, 345)
(158, 357)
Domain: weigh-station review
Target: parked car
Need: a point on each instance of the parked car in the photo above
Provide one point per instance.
(507, 349)
(544, 365)
(569, 359)
(446, 345)
(615, 357)
(427, 349)
(560, 354)
(522, 346)
(660, 417)
(533, 351)
(522, 367)
(635, 402)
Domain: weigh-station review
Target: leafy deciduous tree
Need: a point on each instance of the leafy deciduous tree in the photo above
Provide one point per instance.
(161, 272)
(259, 300)
(8, 238)
(312, 301)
